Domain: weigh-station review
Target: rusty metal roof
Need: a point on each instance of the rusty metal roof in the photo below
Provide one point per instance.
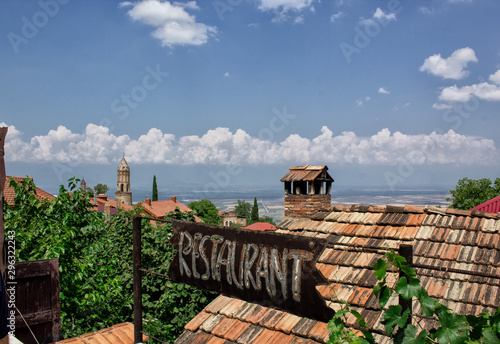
(307, 173)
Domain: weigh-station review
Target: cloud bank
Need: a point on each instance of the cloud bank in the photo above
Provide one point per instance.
(452, 67)
(221, 146)
(174, 25)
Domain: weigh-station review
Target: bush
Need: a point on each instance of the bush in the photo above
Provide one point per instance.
(95, 262)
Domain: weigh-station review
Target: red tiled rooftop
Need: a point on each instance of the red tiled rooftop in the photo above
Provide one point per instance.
(10, 194)
(261, 226)
(117, 334)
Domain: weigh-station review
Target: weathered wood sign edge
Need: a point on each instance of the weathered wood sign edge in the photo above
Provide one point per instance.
(271, 269)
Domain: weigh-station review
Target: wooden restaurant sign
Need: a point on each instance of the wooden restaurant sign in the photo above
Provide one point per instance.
(271, 269)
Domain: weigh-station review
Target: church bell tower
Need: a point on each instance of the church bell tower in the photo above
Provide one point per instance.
(123, 193)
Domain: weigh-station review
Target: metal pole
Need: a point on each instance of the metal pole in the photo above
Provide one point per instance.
(406, 251)
(137, 280)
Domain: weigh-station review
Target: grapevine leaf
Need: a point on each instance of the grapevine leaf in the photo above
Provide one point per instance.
(410, 335)
(408, 270)
(490, 336)
(380, 268)
(408, 289)
(393, 318)
(453, 328)
(428, 305)
(384, 296)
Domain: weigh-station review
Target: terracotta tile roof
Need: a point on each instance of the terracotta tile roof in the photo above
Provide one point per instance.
(261, 226)
(117, 334)
(9, 192)
(101, 201)
(159, 208)
(464, 240)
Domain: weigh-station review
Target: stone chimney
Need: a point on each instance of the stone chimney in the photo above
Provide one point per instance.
(307, 190)
(174, 199)
(107, 208)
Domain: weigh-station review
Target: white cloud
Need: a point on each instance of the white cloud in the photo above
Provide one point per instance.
(282, 8)
(286, 5)
(226, 74)
(336, 16)
(299, 20)
(383, 91)
(360, 102)
(379, 16)
(495, 77)
(439, 106)
(174, 25)
(221, 146)
(452, 67)
(484, 91)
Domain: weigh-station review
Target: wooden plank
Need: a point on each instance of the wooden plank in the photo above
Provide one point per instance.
(33, 269)
(38, 299)
(33, 319)
(55, 301)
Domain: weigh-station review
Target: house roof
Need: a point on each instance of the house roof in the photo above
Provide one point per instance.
(492, 206)
(307, 173)
(121, 333)
(159, 208)
(261, 226)
(356, 237)
(101, 201)
(10, 194)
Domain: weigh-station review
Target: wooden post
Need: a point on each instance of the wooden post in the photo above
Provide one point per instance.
(3, 134)
(406, 251)
(137, 279)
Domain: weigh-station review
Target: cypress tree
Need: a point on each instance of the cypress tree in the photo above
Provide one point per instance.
(255, 211)
(155, 189)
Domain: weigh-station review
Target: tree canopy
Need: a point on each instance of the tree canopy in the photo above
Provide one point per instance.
(207, 211)
(243, 209)
(471, 192)
(101, 189)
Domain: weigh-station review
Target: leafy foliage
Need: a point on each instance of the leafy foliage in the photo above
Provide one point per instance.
(207, 211)
(471, 192)
(155, 190)
(95, 262)
(453, 328)
(243, 209)
(101, 189)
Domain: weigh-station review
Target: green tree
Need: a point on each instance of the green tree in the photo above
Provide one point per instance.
(254, 217)
(155, 190)
(471, 192)
(207, 211)
(243, 209)
(101, 189)
(95, 262)
(267, 219)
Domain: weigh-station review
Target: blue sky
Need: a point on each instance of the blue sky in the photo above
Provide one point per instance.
(232, 92)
